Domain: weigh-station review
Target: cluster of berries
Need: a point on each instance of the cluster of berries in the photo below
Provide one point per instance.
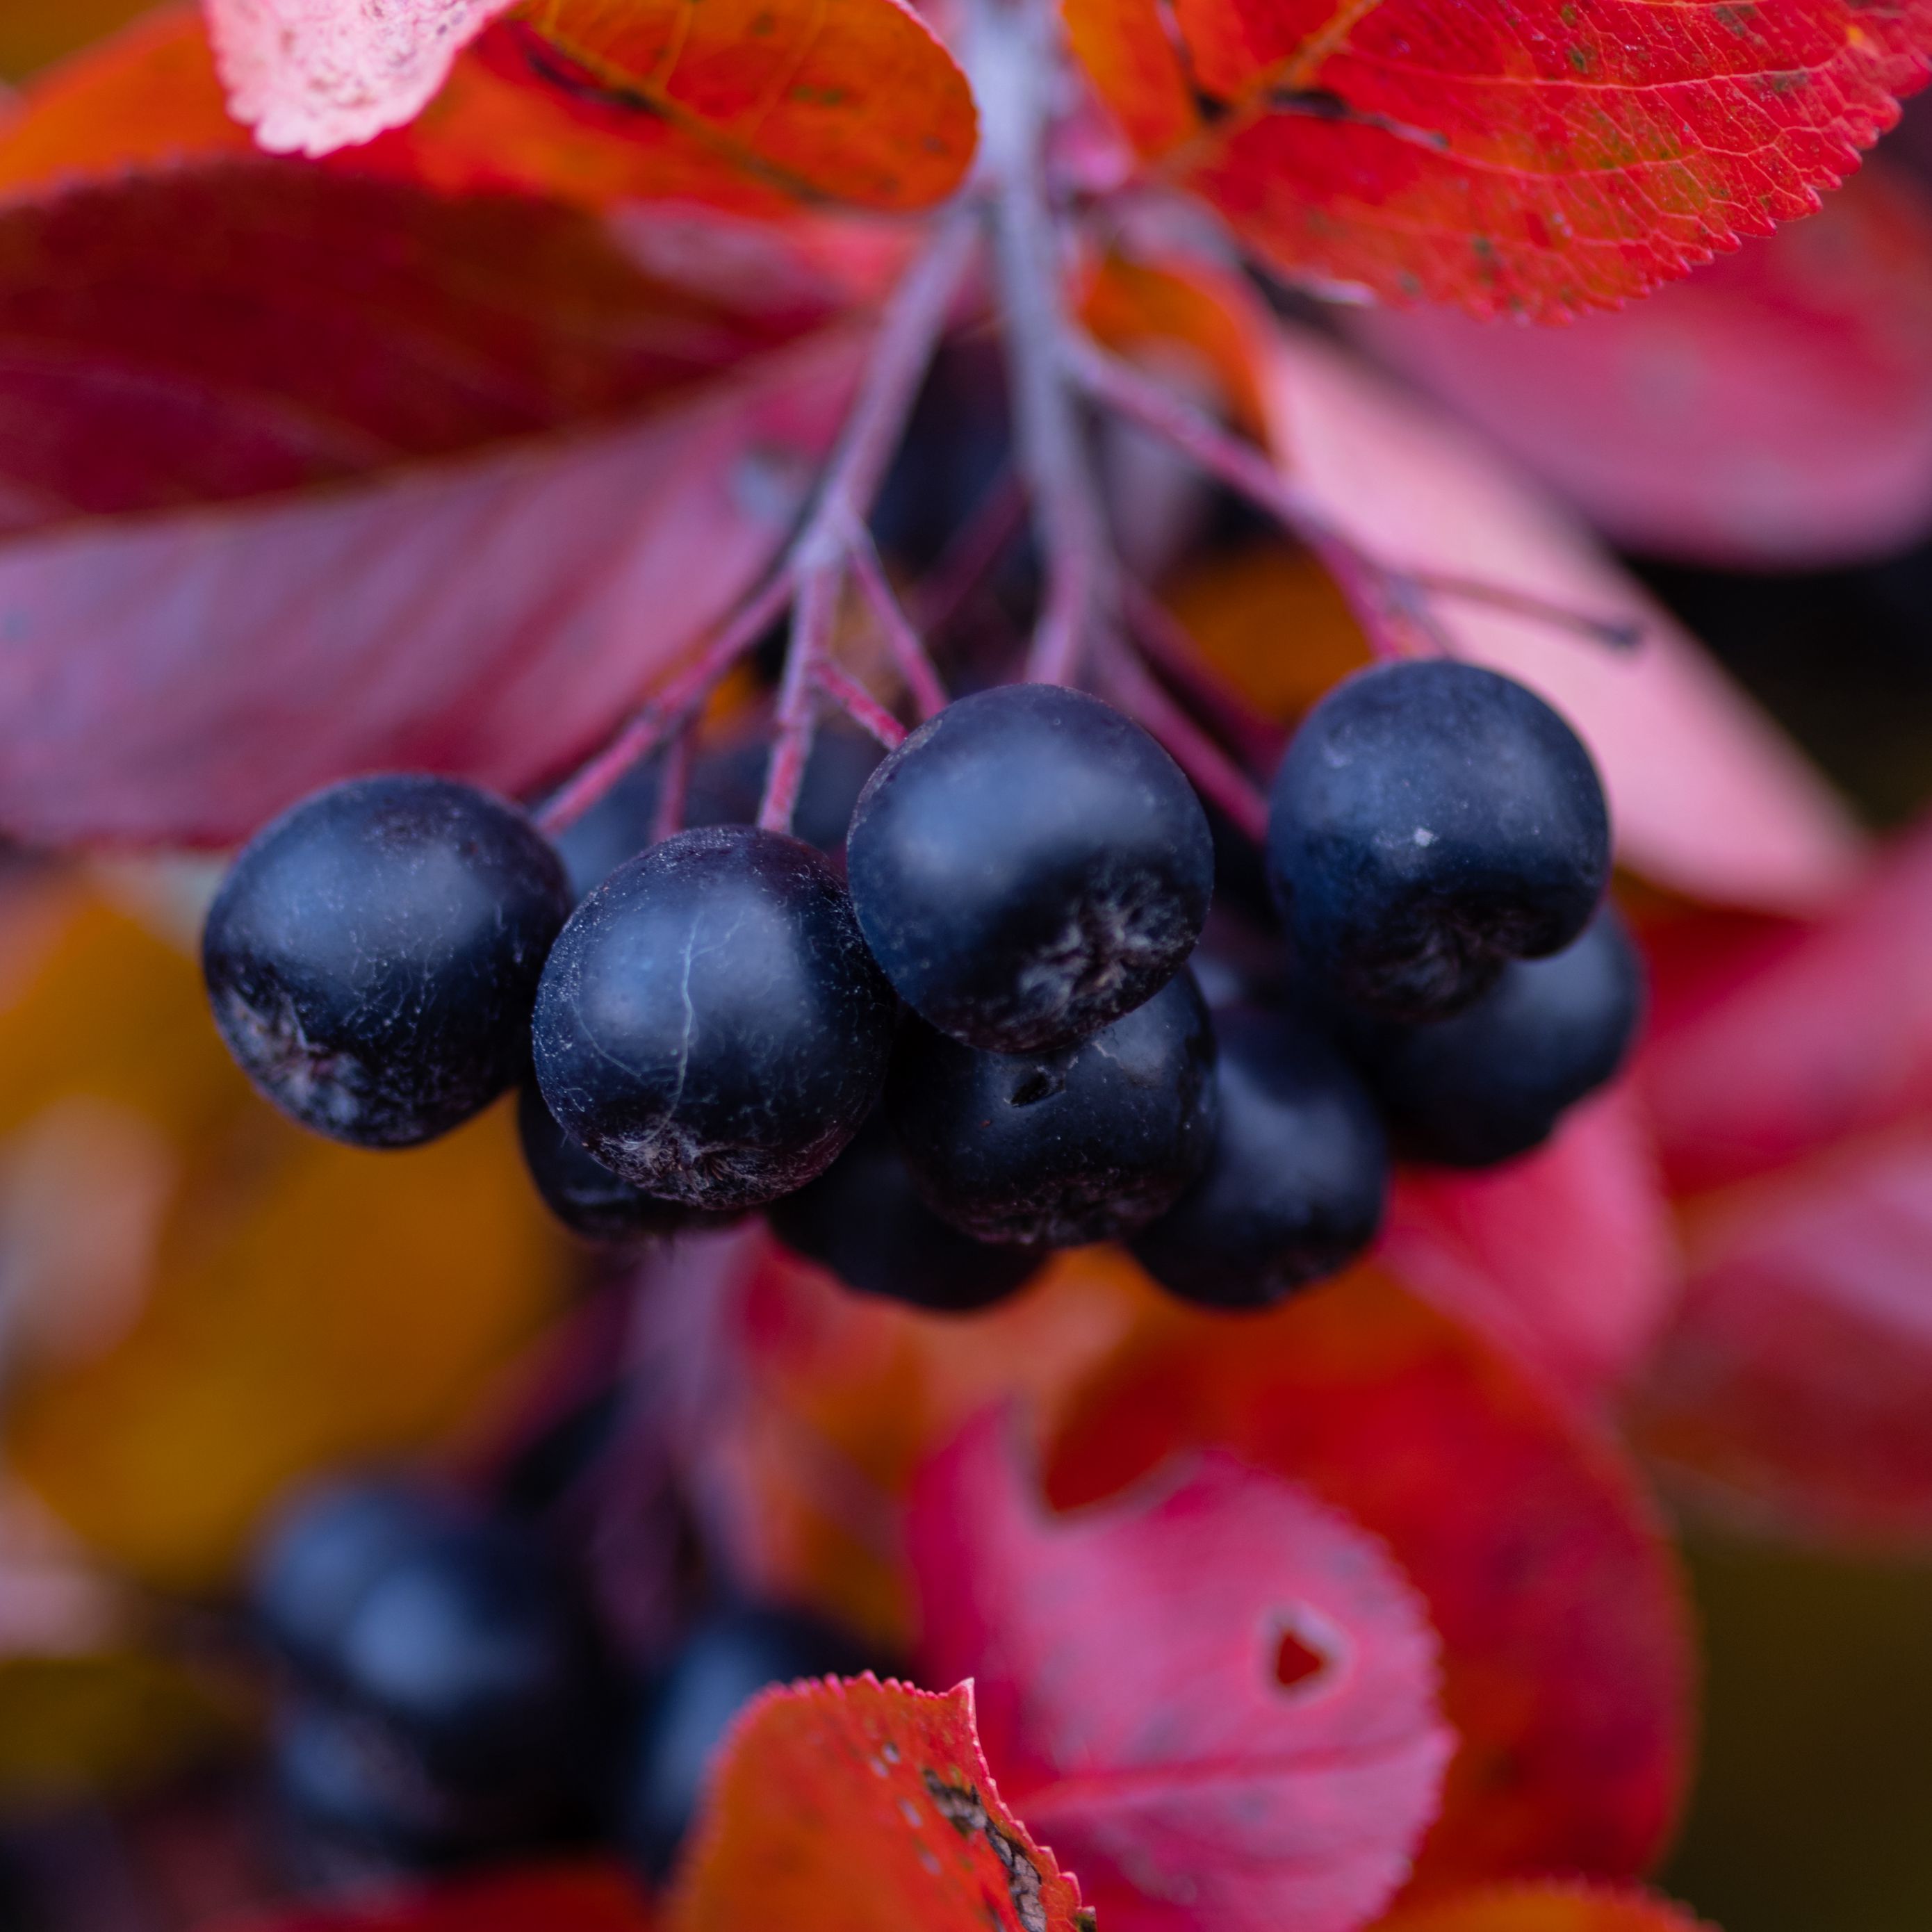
(985, 1041)
(442, 1695)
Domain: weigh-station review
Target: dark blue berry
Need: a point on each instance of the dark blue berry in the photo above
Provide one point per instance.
(583, 1194)
(1294, 1188)
(372, 956)
(863, 1219)
(710, 1025)
(1056, 1149)
(1493, 1082)
(1028, 866)
(725, 1662)
(1429, 822)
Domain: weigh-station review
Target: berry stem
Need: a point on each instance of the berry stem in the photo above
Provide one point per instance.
(911, 326)
(1164, 643)
(813, 613)
(1126, 682)
(997, 519)
(1013, 59)
(1393, 603)
(674, 783)
(859, 705)
(909, 653)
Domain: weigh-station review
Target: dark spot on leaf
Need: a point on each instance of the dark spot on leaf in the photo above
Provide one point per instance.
(960, 1806)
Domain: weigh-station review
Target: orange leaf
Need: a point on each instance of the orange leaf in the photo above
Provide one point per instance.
(866, 1807)
(218, 1302)
(1545, 1908)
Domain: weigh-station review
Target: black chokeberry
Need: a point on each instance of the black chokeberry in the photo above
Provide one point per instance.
(450, 1628)
(710, 1025)
(1492, 1083)
(1429, 821)
(1055, 1149)
(1294, 1188)
(1028, 866)
(863, 1219)
(725, 1662)
(373, 955)
(583, 1194)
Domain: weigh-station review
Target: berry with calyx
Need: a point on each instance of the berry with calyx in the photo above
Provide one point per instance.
(373, 955)
(1294, 1188)
(1429, 822)
(1493, 1082)
(863, 1219)
(710, 1025)
(1056, 1149)
(725, 1662)
(583, 1194)
(1028, 866)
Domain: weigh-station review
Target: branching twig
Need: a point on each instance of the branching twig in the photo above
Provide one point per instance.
(996, 520)
(910, 329)
(1167, 646)
(1393, 600)
(909, 653)
(859, 705)
(1011, 56)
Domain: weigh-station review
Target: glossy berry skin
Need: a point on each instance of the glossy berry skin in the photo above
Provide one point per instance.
(710, 1025)
(1028, 866)
(1429, 822)
(1057, 1149)
(373, 955)
(863, 1219)
(583, 1194)
(726, 1661)
(448, 1629)
(1294, 1188)
(1492, 1083)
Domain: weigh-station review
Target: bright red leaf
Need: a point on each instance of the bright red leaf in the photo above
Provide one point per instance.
(1565, 1654)
(1566, 1259)
(1545, 1908)
(1538, 159)
(1216, 1699)
(1792, 1389)
(565, 1898)
(1794, 1042)
(1775, 409)
(865, 1808)
(1707, 797)
(854, 100)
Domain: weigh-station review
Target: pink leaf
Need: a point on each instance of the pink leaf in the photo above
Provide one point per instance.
(1708, 798)
(1775, 409)
(1805, 1039)
(177, 677)
(1565, 1259)
(1217, 1701)
(313, 75)
(1793, 1387)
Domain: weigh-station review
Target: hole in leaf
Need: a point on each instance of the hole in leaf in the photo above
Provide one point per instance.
(1304, 1652)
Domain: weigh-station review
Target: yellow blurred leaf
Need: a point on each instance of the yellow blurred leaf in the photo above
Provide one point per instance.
(245, 1303)
(35, 33)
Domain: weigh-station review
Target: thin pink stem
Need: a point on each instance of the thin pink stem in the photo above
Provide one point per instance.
(1621, 634)
(996, 520)
(673, 784)
(859, 705)
(811, 620)
(1166, 645)
(1215, 776)
(908, 649)
(668, 710)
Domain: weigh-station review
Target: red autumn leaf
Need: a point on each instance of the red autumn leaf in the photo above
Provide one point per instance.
(1565, 1654)
(1566, 1259)
(855, 100)
(1707, 797)
(1775, 408)
(1794, 1042)
(1792, 1388)
(1537, 161)
(1216, 1699)
(1545, 1908)
(523, 440)
(564, 1898)
(867, 1808)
